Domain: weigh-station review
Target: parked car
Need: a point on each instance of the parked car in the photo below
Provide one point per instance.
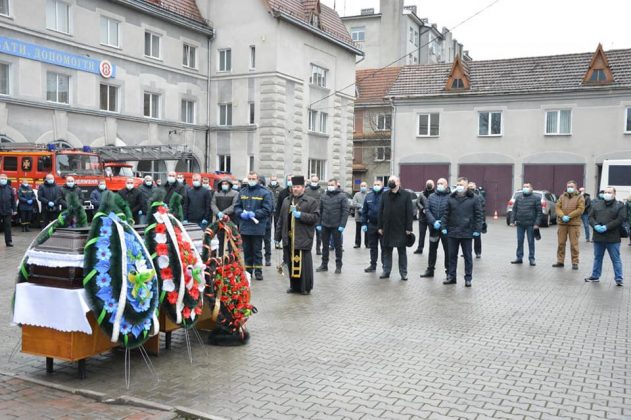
(548, 201)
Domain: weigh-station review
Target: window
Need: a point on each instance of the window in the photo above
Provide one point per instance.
(383, 179)
(4, 79)
(189, 56)
(10, 163)
(313, 118)
(187, 114)
(598, 75)
(412, 35)
(428, 124)
(251, 163)
(108, 98)
(225, 60)
(225, 114)
(152, 45)
(384, 122)
(4, 7)
(223, 163)
(251, 113)
(318, 76)
(44, 164)
(152, 105)
(559, 122)
(322, 125)
(109, 31)
(57, 87)
(358, 33)
(58, 16)
(382, 153)
(628, 121)
(314, 20)
(318, 167)
(252, 57)
(416, 38)
(490, 124)
(457, 84)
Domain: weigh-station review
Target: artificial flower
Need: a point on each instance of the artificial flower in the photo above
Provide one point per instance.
(111, 306)
(105, 231)
(125, 326)
(172, 297)
(104, 293)
(186, 312)
(102, 266)
(166, 273)
(194, 292)
(137, 329)
(161, 228)
(147, 324)
(103, 254)
(162, 249)
(103, 279)
(161, 238)
(163, 261)
(168, 285)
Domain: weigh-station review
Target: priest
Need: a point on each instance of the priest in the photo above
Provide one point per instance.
(299, 214)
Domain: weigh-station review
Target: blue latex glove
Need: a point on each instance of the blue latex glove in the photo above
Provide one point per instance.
(318, 228)
(185, 221)
(29, 201)
(51, 204)
(340, 229)
(297, 214)
(364, 228)
(140, 212)
(437, 224)
(245, 215)
(220, 215)
(476, 234)
(251, 215)
(204, 222)
(565, 219)
(444, 231)
(603, 229)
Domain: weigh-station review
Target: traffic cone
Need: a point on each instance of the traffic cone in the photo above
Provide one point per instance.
(495, 217)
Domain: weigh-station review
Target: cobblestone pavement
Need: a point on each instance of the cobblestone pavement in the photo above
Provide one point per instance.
(523, 342)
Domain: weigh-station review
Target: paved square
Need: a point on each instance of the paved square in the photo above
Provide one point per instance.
(523, 342)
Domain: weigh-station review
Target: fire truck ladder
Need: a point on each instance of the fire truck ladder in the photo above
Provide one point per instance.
(138, 153)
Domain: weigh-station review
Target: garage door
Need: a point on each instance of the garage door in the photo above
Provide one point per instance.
(553, 177)
(414, 175)
(497, 180)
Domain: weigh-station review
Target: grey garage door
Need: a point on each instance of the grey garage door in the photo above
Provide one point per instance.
(414, 175)
(553, 177)
(497, 180)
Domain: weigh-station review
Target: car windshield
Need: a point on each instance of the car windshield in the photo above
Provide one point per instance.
(125, 171)
(78, 164)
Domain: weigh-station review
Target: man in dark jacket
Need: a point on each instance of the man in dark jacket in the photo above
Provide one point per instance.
(395, 224)
(421, 204)
(223, 201)
(70, 187)
(173, 186)
(282, 195)
(253, 207)
(314, 191)
(275, 188)
(95, 195)
(147, 189)
(26, 204)
(606, 217)
(7, 208)
(370, 224)
(461, 223)
(49, 196)
(526, 215)
(133, 197)
(434, 211)
(198, 203)
(585, 215)
(298, 215)
(333, 217)
(477, 240)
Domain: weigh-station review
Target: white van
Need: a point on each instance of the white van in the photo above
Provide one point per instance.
(617, 173)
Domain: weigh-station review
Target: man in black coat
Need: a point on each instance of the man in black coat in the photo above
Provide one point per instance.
(421, 204)
(395, 224)
(314, 191)
(434, 211)
(147, 188)
(198, 201)
(70, 187)
(282, 196)
(461, 223)
(526, 215)
(7, 208)
(370, 224)
(333, 217)
(49, 196)
(133, 197)
(173, 186)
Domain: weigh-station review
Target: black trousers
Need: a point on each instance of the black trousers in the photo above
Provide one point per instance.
(25, 217)
(48, 216)
(336, 235)
(358, 235)
(422, 230)
(434, 241)
(477, 245)
(318, 241)
(267, 241)
(6, 226)
(253, 253)
(465, 245)
(374, 242)
(305, 282)
(403, 260)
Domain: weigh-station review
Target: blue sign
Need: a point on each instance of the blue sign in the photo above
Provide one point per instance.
(59, 58)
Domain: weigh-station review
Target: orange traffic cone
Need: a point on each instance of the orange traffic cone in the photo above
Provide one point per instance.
(495, 217)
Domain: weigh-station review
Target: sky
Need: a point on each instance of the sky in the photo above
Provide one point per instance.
(521, 28)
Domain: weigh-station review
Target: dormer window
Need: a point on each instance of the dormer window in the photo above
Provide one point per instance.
(458, 77)
(598, 75)
(314, 20)
(599, 71)
(457, 84)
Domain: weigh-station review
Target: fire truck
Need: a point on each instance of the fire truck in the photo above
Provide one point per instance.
(117, 174)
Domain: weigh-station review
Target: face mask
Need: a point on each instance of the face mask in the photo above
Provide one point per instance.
(273, 183)
(331, 188)
(440, 188)
(314, 184)
(3, 182)
(170, 179)
(180, 180)
(362, 189)
(196, 184)
(570, 190)
(207, 186)
(392, 184)
(50, 181)
(252, 183)
(607, 197)
(225, 187)
(376, 188)
(130, 186)
(101, 187)
(289, 184)
(429, 187)
(601, 196)
(235, 187)
(25, 184)
(460, 188)
(70, 184)
(148, 183)
(526, 191)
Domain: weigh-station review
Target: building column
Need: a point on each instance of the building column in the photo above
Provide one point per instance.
(273, 144)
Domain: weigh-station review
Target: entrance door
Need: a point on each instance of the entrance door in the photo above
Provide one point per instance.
(497, 181)
(553, 177)
(414, 175)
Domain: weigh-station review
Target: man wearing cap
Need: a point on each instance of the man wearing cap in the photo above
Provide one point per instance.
(298, 216)
(253, 208)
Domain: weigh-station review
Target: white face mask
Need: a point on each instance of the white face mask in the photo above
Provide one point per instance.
(252, 183)
(570, 190)
(25, 184)
(289, 184)
(101, 187)
(608, 196)
(180, 180)
(170, 179)
(331, 188)
(70, 184)
(225, 187)
(130, 186)
(460, 188)
(196, 183)
(207, 186)
(148, 183)
(440, 188)
(314, 184)
(377, 188)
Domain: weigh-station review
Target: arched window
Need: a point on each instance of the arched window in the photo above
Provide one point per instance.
(61, 144)
(4, 139)
(156, 168)
(187, 165)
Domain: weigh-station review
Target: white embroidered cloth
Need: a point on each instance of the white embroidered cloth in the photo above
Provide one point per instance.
(52, 259)
(60, 309)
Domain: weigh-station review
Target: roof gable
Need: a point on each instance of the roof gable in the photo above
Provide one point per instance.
(458, 79)
(184, 8)
(599, 71)
(372, 85)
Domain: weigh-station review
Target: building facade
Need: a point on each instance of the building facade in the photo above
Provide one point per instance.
(396, 36)
(282, 90)
(117, 73)
(545, 120)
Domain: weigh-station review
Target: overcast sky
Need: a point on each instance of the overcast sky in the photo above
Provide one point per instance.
(520, 28)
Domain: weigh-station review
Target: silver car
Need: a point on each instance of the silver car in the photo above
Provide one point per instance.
(548, 201)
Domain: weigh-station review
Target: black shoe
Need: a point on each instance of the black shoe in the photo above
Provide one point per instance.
(10, 244)
(290, 290)
(450, 281)
(467, 283)
(557, 265)
(322, 268)
(427, 274)
(357, 246)
(517, 262)
(258, 275)
(338, 270)
(384, 276)
(370, 269)
(305, 292)
(318, 252)
(268, 263)
(478, 256)
(591, 278)
(418, 251)
(404, 278)
(574, 266)
(619, 283)
(532, 263)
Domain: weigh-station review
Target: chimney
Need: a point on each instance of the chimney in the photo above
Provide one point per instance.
(365, 12)
(411, 8)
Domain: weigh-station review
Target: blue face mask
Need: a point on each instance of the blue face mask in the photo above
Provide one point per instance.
(526, 191)
(3, 182)
(377, 188)
(362, 189)
(440, 188)
(50, 181)
(570, 190)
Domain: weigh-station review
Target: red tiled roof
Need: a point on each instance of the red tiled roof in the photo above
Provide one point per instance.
(184, 8)
(330, 21)
(374, 84)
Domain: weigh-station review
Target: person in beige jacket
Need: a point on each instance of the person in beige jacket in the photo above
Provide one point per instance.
(569, 209)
